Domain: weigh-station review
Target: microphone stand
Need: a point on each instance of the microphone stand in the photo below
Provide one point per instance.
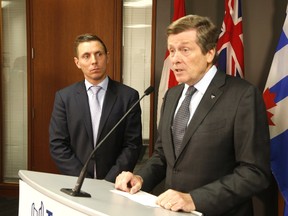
(76, 191)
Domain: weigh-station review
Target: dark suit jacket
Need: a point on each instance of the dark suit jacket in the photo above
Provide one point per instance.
(71, 136)
(225, 155)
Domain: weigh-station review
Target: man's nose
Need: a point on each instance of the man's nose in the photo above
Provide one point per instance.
(175, 57)
(94, 58)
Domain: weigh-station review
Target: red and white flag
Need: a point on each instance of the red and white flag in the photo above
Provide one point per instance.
(168, 79)
(230, 44)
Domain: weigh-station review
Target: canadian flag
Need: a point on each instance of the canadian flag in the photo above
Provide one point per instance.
(168, 79)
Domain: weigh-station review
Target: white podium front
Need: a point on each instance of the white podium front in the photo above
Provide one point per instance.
(40, 195)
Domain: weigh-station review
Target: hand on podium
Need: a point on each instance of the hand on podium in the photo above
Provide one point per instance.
(128, 182)
(170, 199)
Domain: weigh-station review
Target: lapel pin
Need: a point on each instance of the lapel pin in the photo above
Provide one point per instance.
(212, 96)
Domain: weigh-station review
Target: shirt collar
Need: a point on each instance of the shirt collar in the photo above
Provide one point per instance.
(103, 84)
(203, 84)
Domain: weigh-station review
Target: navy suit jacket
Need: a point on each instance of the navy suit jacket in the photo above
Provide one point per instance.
(224, 160)
(71, 136)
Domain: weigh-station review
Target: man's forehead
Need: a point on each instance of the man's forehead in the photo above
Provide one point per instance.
(90, 47)
(179, 43)
(182, 38)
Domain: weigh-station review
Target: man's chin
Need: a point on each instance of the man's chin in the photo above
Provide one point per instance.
(180, 79)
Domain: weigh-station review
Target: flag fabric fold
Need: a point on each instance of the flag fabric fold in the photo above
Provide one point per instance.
(168, 79)
(230, 47)
(276, 100)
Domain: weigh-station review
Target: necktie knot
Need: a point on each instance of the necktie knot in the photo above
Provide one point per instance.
(95, 89)
(190, 91)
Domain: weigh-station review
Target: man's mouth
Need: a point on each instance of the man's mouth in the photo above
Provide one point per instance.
(178, 70)
(95, 70)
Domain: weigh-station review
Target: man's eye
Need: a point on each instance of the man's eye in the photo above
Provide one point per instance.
(185, 51)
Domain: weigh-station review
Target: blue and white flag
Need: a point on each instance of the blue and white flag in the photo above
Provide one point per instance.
(276, 100)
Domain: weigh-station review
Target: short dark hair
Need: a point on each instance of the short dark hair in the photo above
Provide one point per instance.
(207, 32)
(86, 38)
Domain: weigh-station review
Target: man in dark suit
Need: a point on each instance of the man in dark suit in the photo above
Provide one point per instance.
(223, 158)
(77, 126)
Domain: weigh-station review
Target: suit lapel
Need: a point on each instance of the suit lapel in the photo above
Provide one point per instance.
(210, 97)
(83, 105)
(109, 102)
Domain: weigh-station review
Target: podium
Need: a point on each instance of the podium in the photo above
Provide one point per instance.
(40, 195)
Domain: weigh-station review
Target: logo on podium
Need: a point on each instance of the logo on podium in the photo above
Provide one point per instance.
(40, 211)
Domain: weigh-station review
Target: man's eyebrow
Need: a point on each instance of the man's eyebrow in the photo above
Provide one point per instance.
(86, 53)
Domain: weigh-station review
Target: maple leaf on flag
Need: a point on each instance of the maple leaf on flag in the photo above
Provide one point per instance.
(269, 99)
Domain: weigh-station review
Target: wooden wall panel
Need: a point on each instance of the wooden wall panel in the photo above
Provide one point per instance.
(54, 24)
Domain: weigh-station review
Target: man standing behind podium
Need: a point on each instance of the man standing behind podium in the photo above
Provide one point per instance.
(82, 117)
(223, 157)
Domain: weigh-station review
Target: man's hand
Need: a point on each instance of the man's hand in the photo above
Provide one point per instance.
(176, 201)
(128, 182)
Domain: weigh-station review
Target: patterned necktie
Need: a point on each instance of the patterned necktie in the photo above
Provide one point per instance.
(95, 110)
(181, 120)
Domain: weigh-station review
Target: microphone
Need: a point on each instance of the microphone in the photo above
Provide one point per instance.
(76, 191)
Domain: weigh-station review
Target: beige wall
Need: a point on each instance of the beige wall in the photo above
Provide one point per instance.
(262, 25)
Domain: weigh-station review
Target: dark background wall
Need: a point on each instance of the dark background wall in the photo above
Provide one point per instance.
(262, 24)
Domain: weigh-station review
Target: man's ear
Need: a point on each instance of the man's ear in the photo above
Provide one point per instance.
(108, 57)
(210, 55)
(76, 60)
